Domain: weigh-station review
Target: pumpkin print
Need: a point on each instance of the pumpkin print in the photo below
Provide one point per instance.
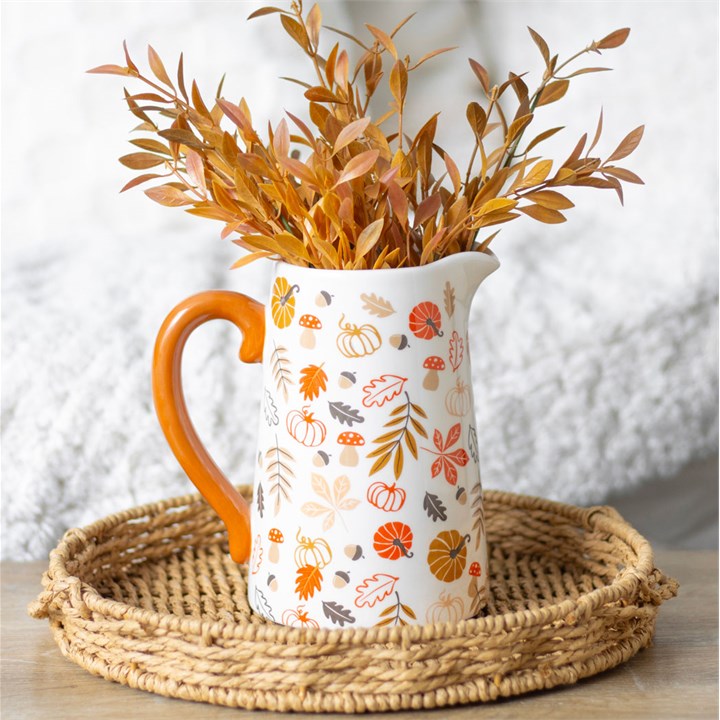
(448, 609)
(304, 428)
(403, 381)
(389, 498)
(425, 321)
(457, 401)
(356, 342)
(282, 302)
(393, 540)
(298, 618)
(447, 555)
(312, 552)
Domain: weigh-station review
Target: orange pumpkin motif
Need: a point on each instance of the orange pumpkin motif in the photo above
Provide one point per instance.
(282, 302)
(425, 321)
(447, 555)
(304, 428)
(298, 618)
(393, 540)
(389, 498)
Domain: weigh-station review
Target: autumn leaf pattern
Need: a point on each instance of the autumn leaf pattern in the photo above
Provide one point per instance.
(337, 614)
(403, 420)
(307, 581)
(478, 514)
(313, 381)
(396, 411)
(345, 414)
(447, 459)
(449, 299)
(280, 368)
(376, 305)
(396, 614)
(280, 474)
(473, 444)
(262, 605)
(434, 507)
(456, 351)
(334, 501)
(383, 389)
(270, 408)
(375, 589)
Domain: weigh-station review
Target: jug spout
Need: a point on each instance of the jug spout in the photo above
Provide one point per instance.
(466, 270)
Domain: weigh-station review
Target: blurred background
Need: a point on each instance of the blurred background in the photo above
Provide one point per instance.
(594, 348)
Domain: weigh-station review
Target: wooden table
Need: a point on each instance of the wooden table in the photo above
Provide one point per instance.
(675, 678)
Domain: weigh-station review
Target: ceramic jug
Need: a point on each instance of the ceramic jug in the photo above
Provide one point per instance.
(367, 506)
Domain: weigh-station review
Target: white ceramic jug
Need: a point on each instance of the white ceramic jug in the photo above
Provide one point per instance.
(367, 506)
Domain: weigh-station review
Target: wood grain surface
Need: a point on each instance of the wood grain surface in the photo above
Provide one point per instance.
(675, 678)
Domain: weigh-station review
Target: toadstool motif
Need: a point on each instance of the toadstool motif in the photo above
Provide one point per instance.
(350, 440)
(432, 365)
(310, 324)
(475, 570)
(276, 539)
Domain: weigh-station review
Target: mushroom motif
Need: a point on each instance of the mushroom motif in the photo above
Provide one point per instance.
(310, 324)
(350, 440)
(276, 539)
(475, 570)
(432, 365)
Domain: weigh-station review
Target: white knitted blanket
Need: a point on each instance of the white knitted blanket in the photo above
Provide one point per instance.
(594, 347)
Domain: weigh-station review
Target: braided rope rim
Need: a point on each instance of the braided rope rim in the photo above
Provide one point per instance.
(619, 615)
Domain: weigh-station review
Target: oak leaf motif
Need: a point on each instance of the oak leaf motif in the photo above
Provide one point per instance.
(374, 589)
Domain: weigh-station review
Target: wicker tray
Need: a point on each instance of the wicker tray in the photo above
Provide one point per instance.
(150, 598)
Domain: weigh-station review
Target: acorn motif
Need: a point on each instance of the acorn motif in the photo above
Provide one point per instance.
(321, 459)
(347, 379)
(341, 579)
(272, 583)
(323, 298)
(399, 342)
(354, 552)
(461, 495)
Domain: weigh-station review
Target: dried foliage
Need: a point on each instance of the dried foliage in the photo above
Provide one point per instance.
(349, 194)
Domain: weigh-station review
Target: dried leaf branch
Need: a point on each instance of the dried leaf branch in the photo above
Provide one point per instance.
(344, 193)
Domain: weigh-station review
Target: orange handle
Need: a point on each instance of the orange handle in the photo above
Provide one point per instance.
(249, 316)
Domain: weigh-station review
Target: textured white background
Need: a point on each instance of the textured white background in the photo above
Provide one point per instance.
(594, 346)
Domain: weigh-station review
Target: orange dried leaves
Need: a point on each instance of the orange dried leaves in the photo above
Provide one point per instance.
(347, 193)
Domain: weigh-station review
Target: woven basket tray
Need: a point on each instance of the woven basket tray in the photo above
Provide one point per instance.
(150, 598)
